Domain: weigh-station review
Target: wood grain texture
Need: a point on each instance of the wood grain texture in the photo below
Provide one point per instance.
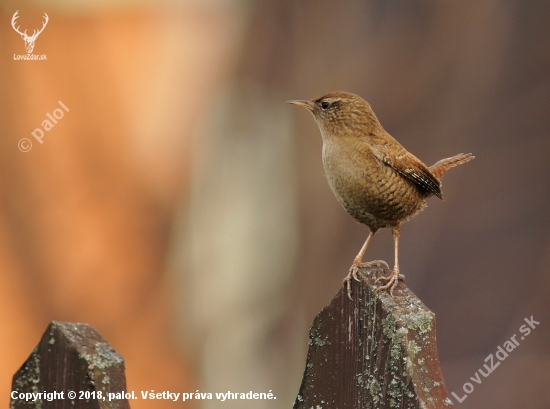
(71, 357)
(373, 352)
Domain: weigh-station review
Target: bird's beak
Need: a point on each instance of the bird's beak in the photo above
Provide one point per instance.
(300, 103)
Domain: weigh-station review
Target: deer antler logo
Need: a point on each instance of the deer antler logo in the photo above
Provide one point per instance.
(29, 40)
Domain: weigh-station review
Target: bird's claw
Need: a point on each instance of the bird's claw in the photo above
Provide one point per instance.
(347, 284)
(354, 270)
(374, 263)
(391, 282)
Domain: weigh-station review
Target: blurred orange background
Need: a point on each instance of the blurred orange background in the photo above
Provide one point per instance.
(180, 206)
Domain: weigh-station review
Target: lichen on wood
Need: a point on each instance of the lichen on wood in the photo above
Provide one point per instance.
(71, 357)
(372, 352)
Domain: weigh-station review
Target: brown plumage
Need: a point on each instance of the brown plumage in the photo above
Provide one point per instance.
(373, 176)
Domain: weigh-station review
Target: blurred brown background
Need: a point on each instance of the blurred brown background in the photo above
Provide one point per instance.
(180, 207)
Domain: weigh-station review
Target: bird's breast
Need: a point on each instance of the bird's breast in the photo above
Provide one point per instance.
(371, 192)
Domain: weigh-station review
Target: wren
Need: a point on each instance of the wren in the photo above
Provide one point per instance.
(377, 181)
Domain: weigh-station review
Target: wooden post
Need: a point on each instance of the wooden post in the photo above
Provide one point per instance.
(373, 352)
(70, 358)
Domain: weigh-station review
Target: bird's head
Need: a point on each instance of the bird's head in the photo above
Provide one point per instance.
(341, 113)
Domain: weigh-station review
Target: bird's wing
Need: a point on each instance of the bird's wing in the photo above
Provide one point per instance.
(408, 166)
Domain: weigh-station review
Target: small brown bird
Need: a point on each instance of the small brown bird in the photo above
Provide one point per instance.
(374, 178)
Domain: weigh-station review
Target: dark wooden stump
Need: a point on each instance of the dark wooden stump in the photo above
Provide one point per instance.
(70, 358)
(373, 352)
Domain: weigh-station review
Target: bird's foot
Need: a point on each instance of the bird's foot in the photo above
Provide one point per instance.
(374, 263)
(391, 282)
(354, 269)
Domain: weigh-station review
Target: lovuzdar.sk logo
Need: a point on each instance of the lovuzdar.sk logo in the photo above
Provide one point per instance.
(29, 39)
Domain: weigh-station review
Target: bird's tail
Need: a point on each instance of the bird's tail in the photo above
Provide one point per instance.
(445, 164)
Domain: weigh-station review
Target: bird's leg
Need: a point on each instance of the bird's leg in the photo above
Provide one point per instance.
(358, 263)
(394, 278)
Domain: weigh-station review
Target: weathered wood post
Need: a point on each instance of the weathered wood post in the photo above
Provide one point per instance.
(373, 352)
(76, 363)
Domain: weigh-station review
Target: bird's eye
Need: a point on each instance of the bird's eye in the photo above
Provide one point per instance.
(325, 105)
